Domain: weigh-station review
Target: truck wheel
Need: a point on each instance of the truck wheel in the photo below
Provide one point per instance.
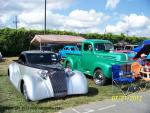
(25, 92)
(99, 77)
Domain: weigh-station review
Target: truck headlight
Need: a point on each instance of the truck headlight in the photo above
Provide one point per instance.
(43, 73)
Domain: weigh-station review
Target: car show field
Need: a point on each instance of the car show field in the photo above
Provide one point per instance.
(12, 101)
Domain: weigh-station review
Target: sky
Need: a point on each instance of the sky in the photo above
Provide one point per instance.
(131, 17)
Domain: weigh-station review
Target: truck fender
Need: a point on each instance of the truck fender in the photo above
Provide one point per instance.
(105, 69)
(70, 61)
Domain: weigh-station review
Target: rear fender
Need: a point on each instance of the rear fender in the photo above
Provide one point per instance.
(14, 74)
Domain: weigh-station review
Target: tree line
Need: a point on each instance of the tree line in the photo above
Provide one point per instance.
(13, 41)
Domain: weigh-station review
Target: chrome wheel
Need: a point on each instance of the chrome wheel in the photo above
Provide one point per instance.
(99, 77)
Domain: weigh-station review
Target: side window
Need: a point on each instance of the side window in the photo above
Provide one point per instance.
(68, 49)
(72, 49)
(99, 46)
(22, 59)
(87, 47)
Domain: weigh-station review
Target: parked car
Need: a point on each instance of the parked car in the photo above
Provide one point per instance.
(39, 75)
(1, 56)
(68, 50)
(96, 59)
(126, 48)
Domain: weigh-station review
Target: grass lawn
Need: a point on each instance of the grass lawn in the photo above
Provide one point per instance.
(11, 101)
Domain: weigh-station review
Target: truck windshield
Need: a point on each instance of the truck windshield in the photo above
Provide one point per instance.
(40, 58)
(103, 46)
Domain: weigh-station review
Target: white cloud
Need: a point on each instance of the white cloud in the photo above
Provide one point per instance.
(77, 20)
(134, 23)
(11, 8)
(31, 15)
(85, 19)
(111, 4)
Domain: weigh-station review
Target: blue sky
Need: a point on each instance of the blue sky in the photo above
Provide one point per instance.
(114, 16)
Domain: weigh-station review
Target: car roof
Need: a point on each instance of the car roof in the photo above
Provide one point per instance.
(70, 46)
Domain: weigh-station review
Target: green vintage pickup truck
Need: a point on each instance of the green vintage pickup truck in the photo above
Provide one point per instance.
(96, 59)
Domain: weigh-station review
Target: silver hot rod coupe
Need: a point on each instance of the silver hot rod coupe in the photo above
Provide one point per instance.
(39, 75)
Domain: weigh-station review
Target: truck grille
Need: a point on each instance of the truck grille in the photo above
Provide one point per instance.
(126, 68)
(59, 83)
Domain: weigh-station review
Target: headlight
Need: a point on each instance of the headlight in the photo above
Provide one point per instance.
(43, 73)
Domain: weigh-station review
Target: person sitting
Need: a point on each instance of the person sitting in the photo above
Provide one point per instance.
(90, 47)
(142, 60)
(138, 66)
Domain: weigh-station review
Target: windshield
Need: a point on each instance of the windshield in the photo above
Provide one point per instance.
(130, 47)
(42, 58)
(74, 49)
(103, 46)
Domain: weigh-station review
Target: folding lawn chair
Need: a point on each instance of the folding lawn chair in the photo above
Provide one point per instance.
(122, 75)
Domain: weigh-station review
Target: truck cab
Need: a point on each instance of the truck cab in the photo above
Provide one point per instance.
(96, 59)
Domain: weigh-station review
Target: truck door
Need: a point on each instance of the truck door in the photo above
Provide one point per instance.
(87, 57)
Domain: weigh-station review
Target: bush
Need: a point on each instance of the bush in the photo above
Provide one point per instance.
(12, 42)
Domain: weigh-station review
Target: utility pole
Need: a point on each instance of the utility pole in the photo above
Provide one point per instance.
(45, 19)
(16, 22)
(127, 32)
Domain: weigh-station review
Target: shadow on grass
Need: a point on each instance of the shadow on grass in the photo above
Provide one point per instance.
(3, 109)
(91, 92)
(2, 60)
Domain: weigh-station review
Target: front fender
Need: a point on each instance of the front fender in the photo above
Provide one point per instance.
(37, 88)
(69, 59)
(77, 83)
(105, 67)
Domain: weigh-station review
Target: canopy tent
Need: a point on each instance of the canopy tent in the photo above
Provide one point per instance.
(65, 39)
(145, 42)
(144, 49)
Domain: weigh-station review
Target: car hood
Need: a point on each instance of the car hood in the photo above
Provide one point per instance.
(55, 66)
(113, 56)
